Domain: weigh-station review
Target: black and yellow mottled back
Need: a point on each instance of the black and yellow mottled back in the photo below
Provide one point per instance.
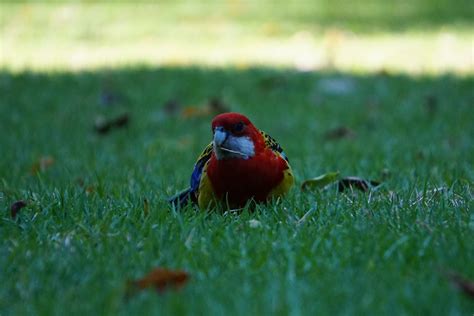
(205, 154)
(273, 145)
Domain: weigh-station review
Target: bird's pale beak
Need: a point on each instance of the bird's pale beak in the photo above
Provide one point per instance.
(220, 136)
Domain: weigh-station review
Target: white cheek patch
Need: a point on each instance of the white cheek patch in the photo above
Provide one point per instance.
(238, 147)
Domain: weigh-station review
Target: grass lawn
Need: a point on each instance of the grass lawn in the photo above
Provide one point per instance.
(86, 229)
(419, 36)
(377, 89)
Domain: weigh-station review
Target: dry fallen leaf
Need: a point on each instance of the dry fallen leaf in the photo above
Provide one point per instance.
(321, 181)
(103, 126)
(90, 189)
(431, 104)
(213, 107)
(339, 133)
(217, 106)
(356, 183)
(342, 184)
(172, 107)
(463, 284)
(161, 279)
(146, 207)
(42, 164)
(16, 207)
(194, 111)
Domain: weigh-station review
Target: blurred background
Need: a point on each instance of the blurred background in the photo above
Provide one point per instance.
(418, 36)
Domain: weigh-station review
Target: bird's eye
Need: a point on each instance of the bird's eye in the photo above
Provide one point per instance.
(239, 127)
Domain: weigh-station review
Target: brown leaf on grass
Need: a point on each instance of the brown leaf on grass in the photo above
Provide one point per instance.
(420, 155)
(146, 207)
(463, 284)
(351, 183)
(90, 189)
(172, 107)
(218, 106)
(103, 126)
(16, 207)
(213, 107)
(339, 133)
(320, 181)
(356, 183)
(431, 104)
(42, 164)
(161, 279)
(194, 111)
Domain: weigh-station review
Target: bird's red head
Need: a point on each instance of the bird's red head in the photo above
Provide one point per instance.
(234, 123)
(229, 128)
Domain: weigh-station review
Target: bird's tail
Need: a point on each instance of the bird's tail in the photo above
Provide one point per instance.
(183, 198)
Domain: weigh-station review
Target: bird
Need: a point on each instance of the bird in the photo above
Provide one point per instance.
(241, 164)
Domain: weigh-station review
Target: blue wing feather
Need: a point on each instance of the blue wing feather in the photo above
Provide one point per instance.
(196, 176)
(199, 166)
(191, 193)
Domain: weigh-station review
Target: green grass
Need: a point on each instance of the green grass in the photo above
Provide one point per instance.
(416, 36)
(72, 251)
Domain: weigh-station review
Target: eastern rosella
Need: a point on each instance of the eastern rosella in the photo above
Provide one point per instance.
(241, 163)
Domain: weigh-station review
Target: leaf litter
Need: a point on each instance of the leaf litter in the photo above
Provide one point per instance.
(159, 279)
(465, 285)
(213, 107)
(103, 126)
(42, 164)
(16, 207)
(345, 183)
